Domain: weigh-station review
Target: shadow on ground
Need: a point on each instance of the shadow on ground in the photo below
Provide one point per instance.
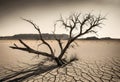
(76, 71)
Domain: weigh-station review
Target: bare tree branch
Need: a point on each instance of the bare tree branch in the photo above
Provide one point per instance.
(57, 39)
(41, 38)
(74, 22)
(30, 50)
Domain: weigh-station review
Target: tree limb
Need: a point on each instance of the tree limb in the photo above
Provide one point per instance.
(30, 50)
(41, 38)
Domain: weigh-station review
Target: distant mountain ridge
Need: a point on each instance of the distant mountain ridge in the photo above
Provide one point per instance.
(96, 38)
(47, 36)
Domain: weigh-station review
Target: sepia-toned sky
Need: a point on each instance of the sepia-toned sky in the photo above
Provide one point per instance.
(45, 12)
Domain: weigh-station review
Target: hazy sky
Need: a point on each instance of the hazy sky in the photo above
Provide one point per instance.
(45, 12)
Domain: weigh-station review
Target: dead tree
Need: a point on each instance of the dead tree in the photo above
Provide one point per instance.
(84, 24)
(65, 71)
